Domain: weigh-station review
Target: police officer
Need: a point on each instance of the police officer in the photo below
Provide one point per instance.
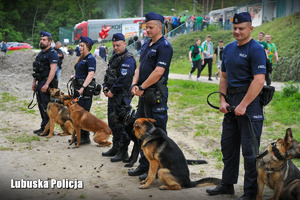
(152, 73)
(242, 78)
(44, 77)
(60, 56)
(116, 87)
(85, 68)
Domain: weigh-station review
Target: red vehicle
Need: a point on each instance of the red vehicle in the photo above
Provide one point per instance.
(92, 27)
(19, 46)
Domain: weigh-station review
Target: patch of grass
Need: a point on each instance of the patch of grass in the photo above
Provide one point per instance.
(82, 196)
(216, 153)
(23, 138)
(2, 148)
(6, 97)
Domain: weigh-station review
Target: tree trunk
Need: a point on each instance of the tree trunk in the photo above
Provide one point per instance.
(212, 5)
(203, 8)
(207, 7)
(120, 9)
(81, 7)
(33, 24)
(222, 4)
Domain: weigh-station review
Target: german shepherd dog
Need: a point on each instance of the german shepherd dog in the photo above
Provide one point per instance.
(82, 119)
(59, 114)
(277, 171)
(165, 158)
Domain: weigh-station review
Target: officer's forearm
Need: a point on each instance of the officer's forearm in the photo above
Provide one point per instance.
(51, 73)
(223, 86)
(136, 75)
(254, 89)
(88, 79)
(154, 77)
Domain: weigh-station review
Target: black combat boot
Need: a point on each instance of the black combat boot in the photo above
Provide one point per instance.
(122, 154)
(113, 151)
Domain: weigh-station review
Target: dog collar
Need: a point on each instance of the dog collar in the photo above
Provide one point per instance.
(54, 100)
(276, 152)
(74, 101)
(148, 133)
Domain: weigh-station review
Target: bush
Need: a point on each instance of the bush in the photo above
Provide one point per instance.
(290, 88)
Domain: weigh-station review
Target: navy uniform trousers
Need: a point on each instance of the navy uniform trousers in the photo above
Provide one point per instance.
(43, 100)
(236, 133)
(117, 126)
(157, 112)
(86, 103)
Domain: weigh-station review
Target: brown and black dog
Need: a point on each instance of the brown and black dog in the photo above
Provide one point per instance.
(82, 119)
(277, 171)
(165, 158)
(59, 114)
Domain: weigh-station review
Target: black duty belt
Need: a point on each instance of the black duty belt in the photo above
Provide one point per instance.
(237, 90)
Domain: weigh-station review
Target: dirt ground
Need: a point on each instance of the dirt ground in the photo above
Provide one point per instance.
(52, 159)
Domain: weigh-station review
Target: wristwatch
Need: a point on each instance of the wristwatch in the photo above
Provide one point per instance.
(141, 88)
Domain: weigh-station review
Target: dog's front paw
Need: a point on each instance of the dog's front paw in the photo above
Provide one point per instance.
(49, 136)
(143, 187)
(163, 187)
(143, 181)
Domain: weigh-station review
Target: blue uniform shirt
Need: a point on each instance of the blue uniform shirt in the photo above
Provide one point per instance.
(241, 63)
(47, 57)
(159, 54)
(126, 75)
(83, 67)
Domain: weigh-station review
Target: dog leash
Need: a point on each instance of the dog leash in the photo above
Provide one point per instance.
(231, 109)
(34, 93)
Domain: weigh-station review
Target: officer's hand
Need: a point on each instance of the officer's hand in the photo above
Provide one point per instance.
(134, 90)
(80, 91)
(139, 93)
(109, 94)
(33, 85)
(45, 88)
(72, 76)
(223, 106)
(240, 110)
(191, 60)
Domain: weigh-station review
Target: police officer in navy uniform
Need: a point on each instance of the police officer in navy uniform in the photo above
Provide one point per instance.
(116, 87)
(44, 76)
(242, 79)
(85, 68)
(153, 70)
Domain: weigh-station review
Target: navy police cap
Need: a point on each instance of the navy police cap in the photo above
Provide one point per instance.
(117, 37)
(44, 33)
(241, 17)
(154, 16)
(87, 40)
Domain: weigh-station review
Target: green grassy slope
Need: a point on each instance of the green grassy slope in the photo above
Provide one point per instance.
(285, 33)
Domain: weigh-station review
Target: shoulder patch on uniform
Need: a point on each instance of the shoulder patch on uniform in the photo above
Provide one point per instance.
(124, 72)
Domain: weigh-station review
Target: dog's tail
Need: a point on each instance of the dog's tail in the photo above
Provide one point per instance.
(205, 181)
(196, 162)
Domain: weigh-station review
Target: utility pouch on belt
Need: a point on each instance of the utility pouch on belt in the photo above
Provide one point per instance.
(266, 94)
(37, 76)
(92, 89)
(153, 95)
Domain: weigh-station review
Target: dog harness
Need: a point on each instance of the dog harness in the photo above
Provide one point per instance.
(74, 101)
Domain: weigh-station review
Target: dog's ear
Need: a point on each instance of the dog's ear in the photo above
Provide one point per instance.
(151, 120)
(57, 93)
(288, 136)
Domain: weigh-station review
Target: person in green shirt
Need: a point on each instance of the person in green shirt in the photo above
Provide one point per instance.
(272, 54)
(196, 58)
(261, 41)
(199, 20)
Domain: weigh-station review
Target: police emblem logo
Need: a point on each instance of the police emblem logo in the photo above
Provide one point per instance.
(236, 20)
(124, 72)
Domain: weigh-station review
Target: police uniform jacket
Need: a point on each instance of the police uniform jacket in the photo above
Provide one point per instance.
(46, 58)
(86, 65)
(158, 54)
(124, 77)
